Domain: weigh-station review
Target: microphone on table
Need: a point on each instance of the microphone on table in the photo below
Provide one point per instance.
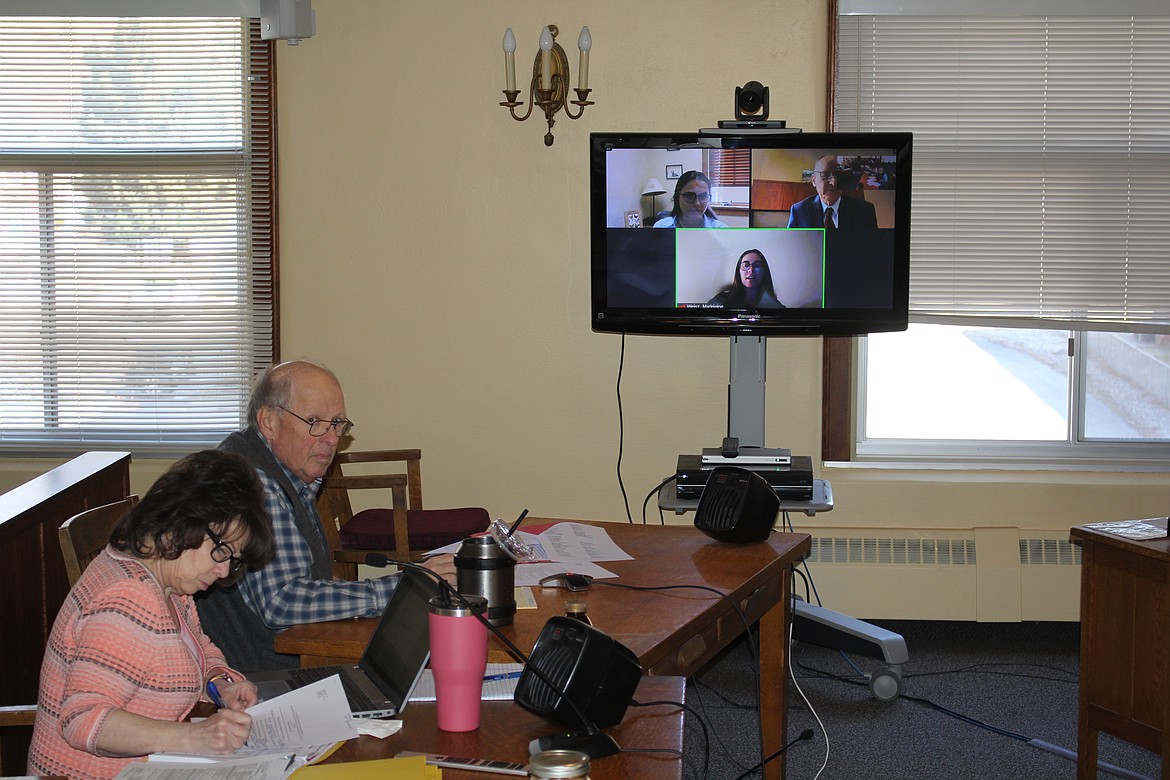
(591, 741)
(806, 734)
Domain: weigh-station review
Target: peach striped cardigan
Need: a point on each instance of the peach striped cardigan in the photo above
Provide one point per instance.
(114, 645)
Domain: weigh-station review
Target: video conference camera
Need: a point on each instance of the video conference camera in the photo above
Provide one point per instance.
(751, 101)
(751, 114)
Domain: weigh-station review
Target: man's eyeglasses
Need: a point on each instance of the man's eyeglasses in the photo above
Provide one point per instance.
(825, 175)
(691, 197)
(222, 552)
(319, 428)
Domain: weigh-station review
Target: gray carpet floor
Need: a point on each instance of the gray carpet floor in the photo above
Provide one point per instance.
(973, 694)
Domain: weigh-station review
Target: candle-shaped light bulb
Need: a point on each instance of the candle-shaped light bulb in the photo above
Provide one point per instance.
(509, 60)
(584, 43)
(546, 44)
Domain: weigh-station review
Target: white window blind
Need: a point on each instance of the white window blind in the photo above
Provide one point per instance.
(135, 230)
(1041, 160)
(730, 167)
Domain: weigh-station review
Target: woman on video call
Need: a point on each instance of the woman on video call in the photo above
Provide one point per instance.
(752, 288)
(692, 199)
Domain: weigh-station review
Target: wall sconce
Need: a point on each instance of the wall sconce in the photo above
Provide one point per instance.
(549, 87)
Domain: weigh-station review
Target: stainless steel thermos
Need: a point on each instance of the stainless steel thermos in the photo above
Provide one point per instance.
(484, 568)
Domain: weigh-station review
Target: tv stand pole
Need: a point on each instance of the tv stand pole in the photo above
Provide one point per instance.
(810, 623)
(745, 390)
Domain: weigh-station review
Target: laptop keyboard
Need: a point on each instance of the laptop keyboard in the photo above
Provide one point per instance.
(358, 700)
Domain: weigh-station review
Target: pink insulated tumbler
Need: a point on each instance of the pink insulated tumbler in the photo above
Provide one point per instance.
(458, 660)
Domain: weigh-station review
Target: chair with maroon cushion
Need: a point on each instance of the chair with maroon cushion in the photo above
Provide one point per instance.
(404, 530)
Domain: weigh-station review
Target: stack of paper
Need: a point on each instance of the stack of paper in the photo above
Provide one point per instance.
(290, 731)
(561, 547)
(274, 768)
(499, 683)
(1153, 528)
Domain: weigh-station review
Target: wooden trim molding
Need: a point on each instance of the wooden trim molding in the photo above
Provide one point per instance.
(837, 398)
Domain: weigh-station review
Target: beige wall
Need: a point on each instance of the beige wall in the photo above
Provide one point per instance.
(435, 254)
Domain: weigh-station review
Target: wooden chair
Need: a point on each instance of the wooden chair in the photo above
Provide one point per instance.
(86, 534)
(404, 530)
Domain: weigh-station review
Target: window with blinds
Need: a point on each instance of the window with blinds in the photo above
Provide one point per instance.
(136, 231)
(1041, 159)
(1040, 291)
(730, 167)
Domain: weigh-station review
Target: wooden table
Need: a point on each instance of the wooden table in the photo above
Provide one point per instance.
(1125, 661)
(506, 728)
(673, 633)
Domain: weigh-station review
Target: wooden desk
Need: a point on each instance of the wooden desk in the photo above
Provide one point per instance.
(506, 729)
(1125, 662)
(672, 633)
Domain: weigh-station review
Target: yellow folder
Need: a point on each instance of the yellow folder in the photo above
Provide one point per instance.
(406, 768)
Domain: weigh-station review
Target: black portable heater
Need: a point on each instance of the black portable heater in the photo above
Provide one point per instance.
(737, 505)
(590, 668)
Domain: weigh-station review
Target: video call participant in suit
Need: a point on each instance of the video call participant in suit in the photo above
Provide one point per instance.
(828, 209)
(692, 199)
(127, 659)
(752, 287)
(296, 418)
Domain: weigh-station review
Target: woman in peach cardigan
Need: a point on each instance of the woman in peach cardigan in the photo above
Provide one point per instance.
(127, 659)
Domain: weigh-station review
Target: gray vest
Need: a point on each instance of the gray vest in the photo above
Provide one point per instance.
(246, 642)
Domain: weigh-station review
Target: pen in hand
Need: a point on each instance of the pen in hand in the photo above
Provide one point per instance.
(213, 694)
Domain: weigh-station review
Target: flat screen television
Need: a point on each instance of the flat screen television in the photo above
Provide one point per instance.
(723, 234)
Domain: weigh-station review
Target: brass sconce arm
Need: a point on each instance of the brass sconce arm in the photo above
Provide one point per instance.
(549, 86)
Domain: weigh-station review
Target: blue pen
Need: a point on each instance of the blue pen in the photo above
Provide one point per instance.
(213, 692)
(498, 677)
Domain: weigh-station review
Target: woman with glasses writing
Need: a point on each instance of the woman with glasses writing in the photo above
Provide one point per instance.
(692, 204)
(127, 659)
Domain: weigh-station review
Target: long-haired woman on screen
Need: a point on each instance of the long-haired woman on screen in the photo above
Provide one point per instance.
(752, 286)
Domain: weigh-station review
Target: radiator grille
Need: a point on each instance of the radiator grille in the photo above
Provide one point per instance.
(893, 551)
(1049, 552)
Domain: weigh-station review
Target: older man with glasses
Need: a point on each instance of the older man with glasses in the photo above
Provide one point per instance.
(296, 418)
(828, 209)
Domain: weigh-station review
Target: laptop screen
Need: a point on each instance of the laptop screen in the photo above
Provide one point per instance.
(400, 645)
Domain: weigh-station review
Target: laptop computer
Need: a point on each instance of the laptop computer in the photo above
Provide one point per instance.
(378, 685)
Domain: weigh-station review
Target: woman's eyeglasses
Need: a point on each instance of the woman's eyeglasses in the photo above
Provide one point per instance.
(691, 197)
(222, 552)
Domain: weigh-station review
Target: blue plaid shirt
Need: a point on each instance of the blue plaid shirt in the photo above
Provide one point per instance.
(283, 593)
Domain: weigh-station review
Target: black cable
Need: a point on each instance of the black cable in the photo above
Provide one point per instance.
(803, 563)
(797, 572)
(806, 734)
(755, 661)
(698, 718)
(622, 431)
(1030, 741)
(696, 691)
(701, 684)
(921, 701)
(656, 488)
(1072, 677)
